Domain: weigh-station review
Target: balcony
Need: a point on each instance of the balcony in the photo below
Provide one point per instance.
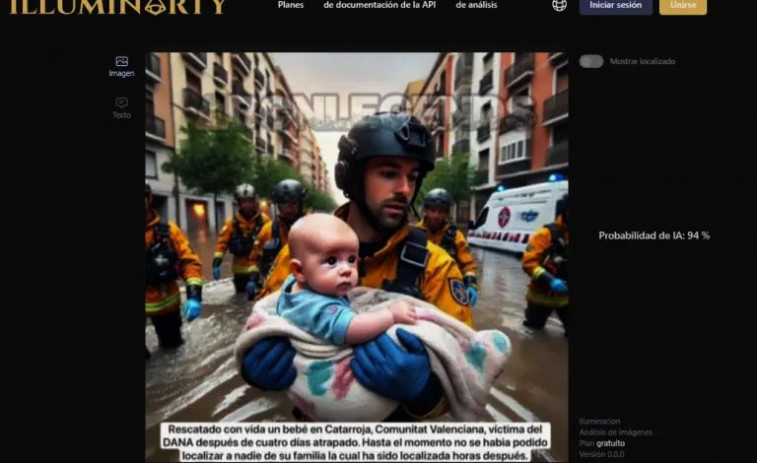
(521, 70)
(557, 57)
(513, 168)
(259, 113)
(518, 119)
(260, 145)
(243, 62)
(287, 154)
(220, 75)
(481, 177)
(259, 79)
(270, 149)
(270, 122)
(557, 154)
(241, 95)
(194, 102)
(152, 68)
(155, 128)
(486, 83)
(484, 132)
(461, 146)
(463, 71)
(197, 59)
(556, 108)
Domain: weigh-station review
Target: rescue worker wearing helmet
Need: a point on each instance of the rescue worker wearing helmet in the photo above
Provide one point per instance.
(289, 197)
(442, 232)
(169, 257)
(238, 236)
(381, 166)
(546, 262)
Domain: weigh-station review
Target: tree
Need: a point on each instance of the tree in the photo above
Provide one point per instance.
(319, 201)
(267, 172)
(213, 160)
(454, 174)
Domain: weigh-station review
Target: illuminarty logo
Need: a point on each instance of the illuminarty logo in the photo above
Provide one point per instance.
(559, 5)
(529, 216)
(504, 217)
(115, 7)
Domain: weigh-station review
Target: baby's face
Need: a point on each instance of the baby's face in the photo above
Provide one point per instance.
(330, 266)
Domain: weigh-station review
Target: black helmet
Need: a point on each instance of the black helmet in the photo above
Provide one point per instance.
(381, 134)
(562, 207)
(438, 197)
(289, 191)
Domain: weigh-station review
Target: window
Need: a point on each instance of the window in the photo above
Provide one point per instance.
(193, 82)
(559, 134)
(488, 63)
(514, 151)
(481, 218)
(151, 165)
(486, 112)
(561, 79)
(219, 58)
(149, 105)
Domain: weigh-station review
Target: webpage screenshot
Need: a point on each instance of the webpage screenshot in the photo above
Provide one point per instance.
(358, 218)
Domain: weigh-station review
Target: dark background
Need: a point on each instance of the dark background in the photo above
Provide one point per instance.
(652, 148)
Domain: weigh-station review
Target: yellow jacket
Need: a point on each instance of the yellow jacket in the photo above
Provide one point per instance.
(538, 291)
(166, 297)
(464, 257)
(441, 282)
(240, 264)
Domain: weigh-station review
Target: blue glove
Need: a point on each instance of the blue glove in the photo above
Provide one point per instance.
(216, 273)
(385, 368)
(268, 365)
(472, 296)
(559, 286)
(251, 289)
(192, 309)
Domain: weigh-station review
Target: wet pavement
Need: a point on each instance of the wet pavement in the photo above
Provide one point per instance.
(198, 382)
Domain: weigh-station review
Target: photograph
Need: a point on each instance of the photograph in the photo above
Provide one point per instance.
(356, 237)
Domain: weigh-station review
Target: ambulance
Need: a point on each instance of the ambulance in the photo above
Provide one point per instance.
(510, 217)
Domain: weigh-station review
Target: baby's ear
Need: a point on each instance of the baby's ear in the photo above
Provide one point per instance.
(295, 265)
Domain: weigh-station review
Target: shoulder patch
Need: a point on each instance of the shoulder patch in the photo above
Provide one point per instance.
(458, 290)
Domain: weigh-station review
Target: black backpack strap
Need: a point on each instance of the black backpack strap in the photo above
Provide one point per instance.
(258, 226)
(275, 232)
(412, 261)
(161, 233)
(555, 233)
(448, 240)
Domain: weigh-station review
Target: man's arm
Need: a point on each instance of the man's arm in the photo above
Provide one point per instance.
(189, 263)
(534, 254)
(279, 272)
(466, 261)
(223, 241)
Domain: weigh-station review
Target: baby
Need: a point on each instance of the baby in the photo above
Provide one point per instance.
(324, 259)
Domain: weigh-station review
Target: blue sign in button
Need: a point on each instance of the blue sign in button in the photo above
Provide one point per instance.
(616, 7)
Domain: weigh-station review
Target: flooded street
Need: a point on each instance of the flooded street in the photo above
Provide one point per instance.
(199, 382)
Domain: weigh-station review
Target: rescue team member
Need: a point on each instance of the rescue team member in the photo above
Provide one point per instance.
(380, 168)
(289, 197)
(169, 257)
(436, 205)
(238, 235)
(546, 262)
